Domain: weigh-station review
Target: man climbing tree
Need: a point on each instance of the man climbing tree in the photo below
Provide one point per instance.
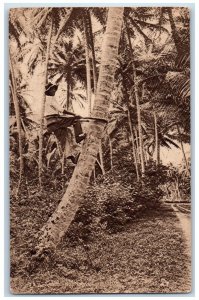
(52, 231)
(57, 117)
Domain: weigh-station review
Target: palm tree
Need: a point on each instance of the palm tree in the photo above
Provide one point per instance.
(133, 145)
(157, 144)
(18, 117)
(137, 102)
(88, 66)
(43, 104)
(90, 31)
(15, 29)
(39, 16)
(58, 224)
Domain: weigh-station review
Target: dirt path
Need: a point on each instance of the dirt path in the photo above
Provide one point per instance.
(185, 224)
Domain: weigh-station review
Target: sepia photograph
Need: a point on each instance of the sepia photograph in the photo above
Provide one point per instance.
(100, 150)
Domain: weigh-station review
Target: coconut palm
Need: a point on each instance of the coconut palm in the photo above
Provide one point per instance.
(18, 118)
(39, 16)
(58, 224)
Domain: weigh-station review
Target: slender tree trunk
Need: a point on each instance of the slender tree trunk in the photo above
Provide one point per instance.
(139, 126)
(92, 51)
(183, 152)
(137, 105)
(101, 158)
(89, 36)
(111, 151)
(88, 67)
(18, 118)
(157, 144)
(133, 145)
(68, 95)
(158, 153)
(91, 42)
(137, 145)
(146, 158)
(99, 164)
(59, 222)
(43, 105)
(94, 174)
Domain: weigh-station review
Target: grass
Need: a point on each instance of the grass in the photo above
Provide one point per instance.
(147, 256)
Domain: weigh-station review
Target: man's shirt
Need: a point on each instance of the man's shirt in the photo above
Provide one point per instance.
(52, 106)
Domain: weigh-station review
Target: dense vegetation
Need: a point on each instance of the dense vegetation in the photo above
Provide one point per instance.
(149, 110)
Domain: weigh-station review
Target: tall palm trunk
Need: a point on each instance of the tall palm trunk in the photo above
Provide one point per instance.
(111, 151)
(68, 94)
(145, 157)
(90, 31)
(139, 124)
(43, 105)
(183, 152)
(90, 44)
(18, 119)
(133, 145)
(61, 219)
(137, 145)
(157, 144)
(88, 67)
(101, 158)
(137, 99)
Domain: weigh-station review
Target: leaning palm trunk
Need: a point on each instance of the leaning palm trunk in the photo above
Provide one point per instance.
(88, 67)
(59, 222)
(43, 105)
(18, 119)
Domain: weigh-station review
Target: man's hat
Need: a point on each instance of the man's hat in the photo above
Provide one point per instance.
(49, 86)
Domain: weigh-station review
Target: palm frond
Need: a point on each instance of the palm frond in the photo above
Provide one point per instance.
(180, 84)
(171, 142)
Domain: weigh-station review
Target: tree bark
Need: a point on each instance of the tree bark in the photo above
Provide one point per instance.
(18, 118)
(92, 51)
(157, 144)
(101, 159)
(137, 104)
(133, 145)
(43, 105)
(88, 67)
(137, 144)
(68, 94)
(59, 222)
(139, 124)
(111, 151)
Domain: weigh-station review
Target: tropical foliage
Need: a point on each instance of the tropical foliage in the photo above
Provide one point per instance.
(133, 93)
